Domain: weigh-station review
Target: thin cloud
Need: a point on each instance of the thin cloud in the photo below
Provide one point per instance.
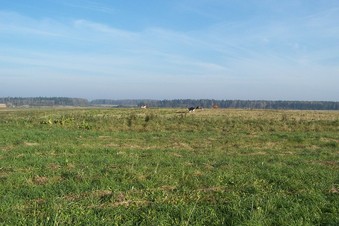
(103, 29)
(16, 24)
(87, 5)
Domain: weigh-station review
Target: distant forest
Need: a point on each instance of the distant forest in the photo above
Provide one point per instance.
(15, 102)
(43, 101)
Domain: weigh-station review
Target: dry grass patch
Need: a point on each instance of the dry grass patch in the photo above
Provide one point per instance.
(167, 188)
(54, 166)
(101, 193)
(7, 148)
(176, 155)
(324, 139)
(212, 189)
(254, 153)
(198, 173)
(334, 164)
(3, 175)
(29, 144)
(127, 203)
(104, 137)
(287, 153)
(40, 180)
(85, 195)
(180, 145)
(20, 156)
(334, 190)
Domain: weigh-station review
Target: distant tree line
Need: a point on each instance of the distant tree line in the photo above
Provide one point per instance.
(209, 103)
(176, 103)
(43, 101)
(122, 103)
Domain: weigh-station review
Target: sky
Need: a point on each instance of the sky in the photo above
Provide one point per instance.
(170, 49)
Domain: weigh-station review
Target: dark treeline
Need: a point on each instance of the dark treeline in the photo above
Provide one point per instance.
(43, 101)
(209, 103)
(177, 103)
(124, 103)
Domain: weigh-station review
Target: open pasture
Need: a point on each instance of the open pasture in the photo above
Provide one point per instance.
(169, 167)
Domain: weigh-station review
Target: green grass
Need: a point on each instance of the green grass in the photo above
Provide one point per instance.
(169, 167)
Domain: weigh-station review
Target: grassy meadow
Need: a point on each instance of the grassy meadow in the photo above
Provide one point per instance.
(169, 167)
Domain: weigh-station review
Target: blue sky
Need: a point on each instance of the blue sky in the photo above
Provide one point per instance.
(168, 49)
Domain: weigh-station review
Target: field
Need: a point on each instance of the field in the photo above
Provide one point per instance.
(169, 167)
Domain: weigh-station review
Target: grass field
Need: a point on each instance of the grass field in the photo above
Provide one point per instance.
(168, 167)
